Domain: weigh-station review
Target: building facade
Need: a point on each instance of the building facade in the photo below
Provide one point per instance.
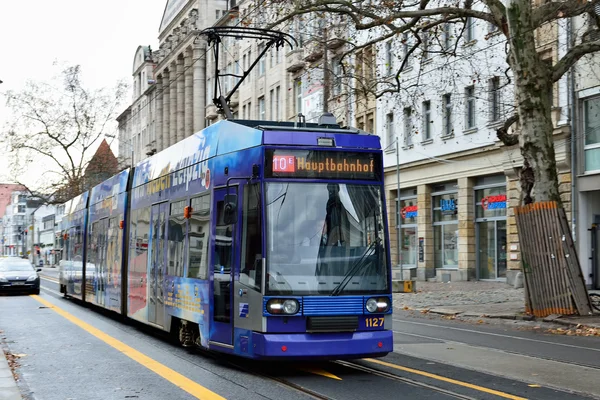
(170, 82)
(586, 148)
(451, 200)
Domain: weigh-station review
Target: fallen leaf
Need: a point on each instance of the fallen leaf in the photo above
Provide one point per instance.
(534, 386)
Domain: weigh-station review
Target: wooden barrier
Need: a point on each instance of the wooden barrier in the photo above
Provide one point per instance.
(554, 283)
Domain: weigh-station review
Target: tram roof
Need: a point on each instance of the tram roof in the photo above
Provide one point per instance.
(229, 136)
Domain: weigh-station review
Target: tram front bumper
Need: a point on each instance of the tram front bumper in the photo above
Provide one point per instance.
(323, 345)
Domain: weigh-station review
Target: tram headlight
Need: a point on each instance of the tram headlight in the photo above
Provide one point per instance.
(380, 304)
(283, 306)
(290, 307)
(372, 305)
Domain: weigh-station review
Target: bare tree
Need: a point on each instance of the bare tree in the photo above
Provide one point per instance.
(518, 21)
(55, 126)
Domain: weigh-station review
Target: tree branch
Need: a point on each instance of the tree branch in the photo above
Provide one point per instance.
(560, 9)
(572, 56)
(502, 132)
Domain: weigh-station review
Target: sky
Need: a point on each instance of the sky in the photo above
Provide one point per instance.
(101, 36)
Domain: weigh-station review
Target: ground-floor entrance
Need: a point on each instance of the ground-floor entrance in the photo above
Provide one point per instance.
(491, 246)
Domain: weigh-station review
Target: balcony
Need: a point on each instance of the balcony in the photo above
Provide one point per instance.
(294, 60)
(313, 50)
(235, 99)
(211, 112)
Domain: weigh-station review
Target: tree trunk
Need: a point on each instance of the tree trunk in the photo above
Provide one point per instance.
(533, 87)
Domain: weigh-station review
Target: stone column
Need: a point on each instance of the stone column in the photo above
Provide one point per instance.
(180, 99)
(166, 121)
(467, 257)
(174, 104)
(425, 268)
(199, 80)
(188, 95)
(158, 92)
(513, 254)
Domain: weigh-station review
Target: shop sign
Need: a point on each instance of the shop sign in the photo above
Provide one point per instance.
(409, 211)
(448, 206)
(494, 202)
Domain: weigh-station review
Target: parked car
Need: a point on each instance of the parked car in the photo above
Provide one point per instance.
(17, 275)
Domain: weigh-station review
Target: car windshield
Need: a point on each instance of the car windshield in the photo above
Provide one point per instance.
(319, 235)
(8, 266)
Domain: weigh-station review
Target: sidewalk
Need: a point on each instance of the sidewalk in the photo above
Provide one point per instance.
(8, 386)
(477, 299)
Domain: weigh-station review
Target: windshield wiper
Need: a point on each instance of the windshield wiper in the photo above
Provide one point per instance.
(356, 267)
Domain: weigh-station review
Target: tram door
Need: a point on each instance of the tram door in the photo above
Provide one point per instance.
(223, 261)
(156, 275)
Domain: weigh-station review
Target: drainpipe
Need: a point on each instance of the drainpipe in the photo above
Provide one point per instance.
(572, 100)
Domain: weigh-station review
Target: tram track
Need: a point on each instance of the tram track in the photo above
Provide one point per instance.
(273, 371)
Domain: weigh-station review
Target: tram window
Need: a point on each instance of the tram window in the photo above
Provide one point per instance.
(132, 233)
(141, 241)
(198, 237)
(251, 272)
(176, 236)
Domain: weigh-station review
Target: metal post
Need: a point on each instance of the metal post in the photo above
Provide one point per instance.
(399, 216)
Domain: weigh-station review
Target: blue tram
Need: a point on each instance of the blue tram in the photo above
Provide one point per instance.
(260, 239)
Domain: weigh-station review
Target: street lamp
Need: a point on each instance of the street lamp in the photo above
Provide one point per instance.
(398, 216)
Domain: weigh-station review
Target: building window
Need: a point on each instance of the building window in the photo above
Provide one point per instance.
(389, 60)
(408, 126)
(298, 96)
(469, 30)
(427, 120)
(446, 36)
(272, 104)
(262, 61)
(261, 109)
(470, 107)
(389, 125)
(447, 101)
(22, 209)
(370, 123)
(494, 99)
(405, 48)
(277, 99)
(360, 123)
(244, 113)
(407, 215)
(445, 230)
(591, 128)
(425, 46)
(369, 64)
(337, 76)
(249, 110)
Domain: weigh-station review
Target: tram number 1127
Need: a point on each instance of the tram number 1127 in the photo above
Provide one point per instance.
(374, 322)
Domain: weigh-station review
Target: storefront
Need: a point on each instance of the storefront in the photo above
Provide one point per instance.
(490, 227)
(407, 215)
(444, 200)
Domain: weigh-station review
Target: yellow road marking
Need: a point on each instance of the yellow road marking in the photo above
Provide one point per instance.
(318, 371)
(49, 278)
(444, 379)
(172, 376)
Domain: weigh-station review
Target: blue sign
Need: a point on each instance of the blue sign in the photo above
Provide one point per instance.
(448, 206)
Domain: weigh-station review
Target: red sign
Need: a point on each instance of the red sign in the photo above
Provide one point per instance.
(284, 163)
(494, 202)
(409, 211)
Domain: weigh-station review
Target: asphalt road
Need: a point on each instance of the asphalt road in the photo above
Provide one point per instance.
(70, 352)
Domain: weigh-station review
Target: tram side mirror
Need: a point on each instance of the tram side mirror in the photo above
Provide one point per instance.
(230, 214)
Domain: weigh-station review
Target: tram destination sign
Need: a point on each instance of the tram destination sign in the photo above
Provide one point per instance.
(318, 164)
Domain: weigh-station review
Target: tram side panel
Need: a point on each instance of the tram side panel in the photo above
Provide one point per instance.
(73, 262)
(104, 256)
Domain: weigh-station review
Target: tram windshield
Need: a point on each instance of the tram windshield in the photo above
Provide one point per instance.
(325, 239)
